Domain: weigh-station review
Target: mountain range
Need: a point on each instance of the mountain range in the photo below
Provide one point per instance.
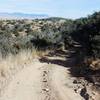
(22, 16)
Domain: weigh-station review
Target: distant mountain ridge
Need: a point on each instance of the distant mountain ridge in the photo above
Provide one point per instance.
(18, 15)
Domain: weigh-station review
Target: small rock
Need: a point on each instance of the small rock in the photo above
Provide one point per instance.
(45, 80)
(75, 82)
(45, 72)
(47, 90)
(75, 90)
(97, 83)
(84, 93)
(93, 93)
(86, 96)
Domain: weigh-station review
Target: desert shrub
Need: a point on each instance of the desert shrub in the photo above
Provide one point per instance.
(5, 44)
(13, 45)
(40, 43)
(23, 42)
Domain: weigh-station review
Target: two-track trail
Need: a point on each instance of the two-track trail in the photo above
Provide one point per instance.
(40, 81)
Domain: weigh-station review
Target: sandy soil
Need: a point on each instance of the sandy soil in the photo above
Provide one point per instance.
(40, 81)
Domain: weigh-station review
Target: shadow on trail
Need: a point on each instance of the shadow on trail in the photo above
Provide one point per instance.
(70, 60)
(73, 61)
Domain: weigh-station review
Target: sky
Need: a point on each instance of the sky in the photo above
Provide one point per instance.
(57, 8)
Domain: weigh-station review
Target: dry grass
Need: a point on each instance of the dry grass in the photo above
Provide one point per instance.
(37, 53)
(13, 63)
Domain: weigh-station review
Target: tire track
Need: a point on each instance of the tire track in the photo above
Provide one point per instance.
(47, 90)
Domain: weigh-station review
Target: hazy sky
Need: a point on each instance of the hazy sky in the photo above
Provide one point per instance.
(61, 8)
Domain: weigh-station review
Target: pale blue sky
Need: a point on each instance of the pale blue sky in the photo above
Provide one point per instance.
(60, 8)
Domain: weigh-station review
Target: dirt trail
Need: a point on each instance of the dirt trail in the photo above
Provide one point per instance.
(41, 81)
